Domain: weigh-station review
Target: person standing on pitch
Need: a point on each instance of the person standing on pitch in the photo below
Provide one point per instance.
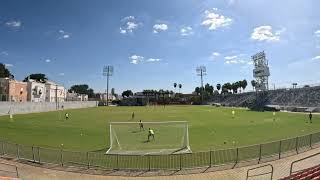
(151, 133)
(310, 117)
(274, 116)
(141, 125)
(67, 116)
(233, 114)
(132, 116)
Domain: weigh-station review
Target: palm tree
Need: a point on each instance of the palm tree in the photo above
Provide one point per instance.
(197, 90)
(180, 86)
(218, 87)
(227, 86)
(234, 87)
(175, 86)
(244, 84)
(253, 83)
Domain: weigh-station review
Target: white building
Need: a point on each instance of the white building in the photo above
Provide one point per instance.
(36, 91)
(76, 97)
(55, 92)
(103, 97)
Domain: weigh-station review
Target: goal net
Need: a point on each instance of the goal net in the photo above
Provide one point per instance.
(170, 137)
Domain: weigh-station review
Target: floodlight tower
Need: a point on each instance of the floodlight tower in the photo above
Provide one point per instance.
(261, 71)
(201, 71)
(107, 71)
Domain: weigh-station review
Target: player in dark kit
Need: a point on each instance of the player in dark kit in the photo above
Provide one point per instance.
(310, 117)
(132, 116)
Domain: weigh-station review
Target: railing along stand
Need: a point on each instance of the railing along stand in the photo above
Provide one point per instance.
(39, 155)
(18, 155)
(33, 156)
(237, 158)
(297, 138)
(210, 155)
(149, 163)
(88, 161)
(2, 146)
(260, 152)
(61, 157)
(180, 157)
(280, 149)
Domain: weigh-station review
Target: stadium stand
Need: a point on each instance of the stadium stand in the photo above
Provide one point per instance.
(299, 99)
(310, 173)
(306, 172)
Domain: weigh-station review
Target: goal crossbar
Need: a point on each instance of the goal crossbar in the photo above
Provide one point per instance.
(151, 122)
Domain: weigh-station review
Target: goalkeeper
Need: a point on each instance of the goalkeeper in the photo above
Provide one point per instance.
(150, 134)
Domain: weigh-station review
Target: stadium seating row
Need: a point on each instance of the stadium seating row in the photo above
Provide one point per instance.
(310, 173)
(300, 99)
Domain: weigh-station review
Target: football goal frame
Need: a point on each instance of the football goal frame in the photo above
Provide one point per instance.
(132, 138)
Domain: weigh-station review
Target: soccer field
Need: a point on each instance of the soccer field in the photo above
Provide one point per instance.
(209, 127)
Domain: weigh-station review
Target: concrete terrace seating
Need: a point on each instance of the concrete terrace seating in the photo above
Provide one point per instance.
(304, 98)
(310, 173)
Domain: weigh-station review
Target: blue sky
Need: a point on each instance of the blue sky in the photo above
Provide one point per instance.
(153, 44)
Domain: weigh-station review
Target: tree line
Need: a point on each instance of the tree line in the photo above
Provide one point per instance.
(4, 72)
(235, 87)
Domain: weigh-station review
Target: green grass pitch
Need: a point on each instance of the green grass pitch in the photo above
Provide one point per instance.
(209, 127)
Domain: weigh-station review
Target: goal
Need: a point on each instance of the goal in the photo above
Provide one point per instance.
(170, 137)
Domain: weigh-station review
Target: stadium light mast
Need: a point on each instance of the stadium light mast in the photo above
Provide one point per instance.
(107, 71)
(261, 71)
(201, 71)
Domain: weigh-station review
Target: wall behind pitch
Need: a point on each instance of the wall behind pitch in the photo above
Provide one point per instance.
(31, 107)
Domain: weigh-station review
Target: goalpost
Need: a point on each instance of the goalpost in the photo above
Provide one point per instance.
(170, 137)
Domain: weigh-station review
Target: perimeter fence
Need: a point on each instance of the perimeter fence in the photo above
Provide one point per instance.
(254, 154)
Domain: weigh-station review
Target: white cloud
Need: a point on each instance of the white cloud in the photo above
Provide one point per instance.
(186, 31)
(128, 18)
(237, 59)
(61, 74)
(250, 62)
(14, 24)
(264, 33)
(135, 59)
(232, 62)
(153, 60)
(230, 57)
(123, 31)
(160, 27)
(47, 60)
(63, 34)
(316, 58)
(317, 33)
(129, 25)
(8, 65)
(215, 54)
(280, 31)
(213, 20)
